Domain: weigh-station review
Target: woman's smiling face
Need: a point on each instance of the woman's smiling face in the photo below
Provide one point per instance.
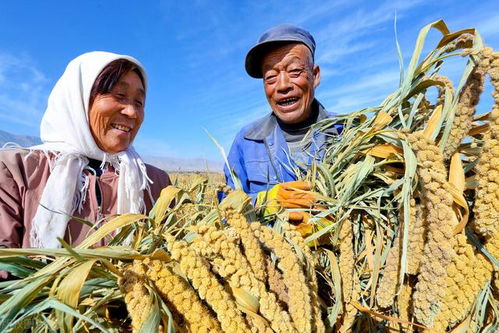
(115, 117)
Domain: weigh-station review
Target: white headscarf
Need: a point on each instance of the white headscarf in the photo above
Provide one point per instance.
(65, 132)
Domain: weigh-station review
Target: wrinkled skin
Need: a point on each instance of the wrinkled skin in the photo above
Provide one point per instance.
(115, 117)
(289, 81)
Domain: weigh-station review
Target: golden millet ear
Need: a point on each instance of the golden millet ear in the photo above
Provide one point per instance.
(180, 296)
(230, 262)
(438, 250)
(417, 237)
(492, 245)
(250, 243)
(466, 276)
(209, 289)
(486, 209)
(465, 110)
(389, 282)
(310, 263)
(137, 298)
(404, 305)
(346, 260)
(300, 307)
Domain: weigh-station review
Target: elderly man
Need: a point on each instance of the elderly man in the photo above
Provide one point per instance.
(270, 150)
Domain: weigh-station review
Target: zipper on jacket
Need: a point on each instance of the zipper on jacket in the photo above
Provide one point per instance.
(272, 160)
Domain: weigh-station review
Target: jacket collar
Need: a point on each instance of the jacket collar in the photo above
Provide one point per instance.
(263, 127)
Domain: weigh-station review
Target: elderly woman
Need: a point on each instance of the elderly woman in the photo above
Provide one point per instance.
(86, 166)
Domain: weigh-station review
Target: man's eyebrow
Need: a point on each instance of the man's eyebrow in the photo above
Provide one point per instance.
(266, 67)
(292, 60)
(295, 59)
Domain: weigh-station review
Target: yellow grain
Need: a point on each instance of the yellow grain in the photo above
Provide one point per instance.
(464, 41)
(209, 289)
(349, 316)
(492, 246)
(269, 307)
(300, 307)
(252, 249)
(416, 240)
(404, 306)
(137, 298)
(389, 282)
(231, 264)
(346, 260)
(179, 294)
(276, 282)
(294, 235)
(486, 207)
(441, 89)
(465, 109)
(466, 276)
(438, 250)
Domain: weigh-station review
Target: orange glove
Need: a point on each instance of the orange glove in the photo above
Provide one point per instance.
(295, 195)
(306, 226)
(301, 221)
(289, 195)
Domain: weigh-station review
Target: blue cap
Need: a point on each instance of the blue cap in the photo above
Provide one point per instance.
(281, 34)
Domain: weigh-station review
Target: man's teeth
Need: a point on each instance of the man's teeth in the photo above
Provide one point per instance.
(121, 127)
(287, 101)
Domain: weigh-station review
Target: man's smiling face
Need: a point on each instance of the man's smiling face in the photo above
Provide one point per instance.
(289, 80)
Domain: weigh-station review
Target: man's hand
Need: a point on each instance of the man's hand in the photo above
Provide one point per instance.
(295, 194)
(302, 223)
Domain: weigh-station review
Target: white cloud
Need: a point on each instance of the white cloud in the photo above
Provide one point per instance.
(23, 90)
(344, 36)
(375, 82)
(354, 102)
(384, 61)
(314, 11)
(488, 27)
(369, 91)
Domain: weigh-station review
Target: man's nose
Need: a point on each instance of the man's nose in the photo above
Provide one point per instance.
(283, 83)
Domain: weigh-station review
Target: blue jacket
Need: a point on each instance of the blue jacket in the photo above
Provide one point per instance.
(260, 157)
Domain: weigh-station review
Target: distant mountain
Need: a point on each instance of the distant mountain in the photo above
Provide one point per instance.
(173, 164)
(170, 164)
(22, 140)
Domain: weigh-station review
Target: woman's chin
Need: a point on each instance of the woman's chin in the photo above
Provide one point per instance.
(114, 148)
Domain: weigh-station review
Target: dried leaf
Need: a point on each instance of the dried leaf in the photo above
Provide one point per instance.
(381, 120)
(475, 130)
(433, 122)
(384, 150)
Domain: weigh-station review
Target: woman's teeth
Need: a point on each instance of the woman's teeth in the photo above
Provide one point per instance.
(121, 127)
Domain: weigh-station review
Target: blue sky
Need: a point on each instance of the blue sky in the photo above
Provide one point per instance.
(194, 53)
